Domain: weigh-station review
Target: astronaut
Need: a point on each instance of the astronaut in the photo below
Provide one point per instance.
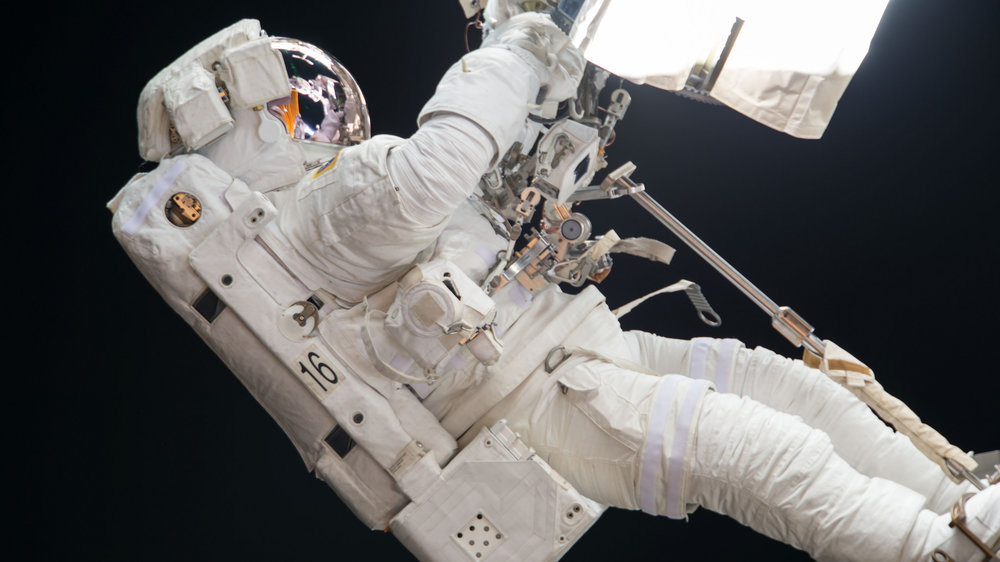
(375, 227)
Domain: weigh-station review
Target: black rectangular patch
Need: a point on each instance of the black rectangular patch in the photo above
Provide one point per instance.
(315, 302)
(209, 305)
(339, 441)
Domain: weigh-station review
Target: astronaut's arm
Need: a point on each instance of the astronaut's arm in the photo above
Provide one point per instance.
(478, 110)
(439, 166)
(363, 221)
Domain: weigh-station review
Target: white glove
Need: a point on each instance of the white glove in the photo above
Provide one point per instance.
(536, 38)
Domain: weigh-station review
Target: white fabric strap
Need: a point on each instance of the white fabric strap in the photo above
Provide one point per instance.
(153, 197)
(648, 248)
(673, 410)
(674, 288)
(723, 363)
(675, 508)
(698, 358)
(653, 451)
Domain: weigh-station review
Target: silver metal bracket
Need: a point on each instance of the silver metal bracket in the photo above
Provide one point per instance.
(985, 461)
(705, 311)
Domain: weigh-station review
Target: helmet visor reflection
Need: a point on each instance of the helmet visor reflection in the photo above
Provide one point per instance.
(324, 103)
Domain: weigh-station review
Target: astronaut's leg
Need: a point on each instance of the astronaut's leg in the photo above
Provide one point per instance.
(858, 436)
(666, 444)
(768, 470)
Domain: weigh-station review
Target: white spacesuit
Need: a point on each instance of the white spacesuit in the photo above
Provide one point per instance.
(395, 251)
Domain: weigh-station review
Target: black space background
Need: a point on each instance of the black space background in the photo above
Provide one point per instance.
(129, 440)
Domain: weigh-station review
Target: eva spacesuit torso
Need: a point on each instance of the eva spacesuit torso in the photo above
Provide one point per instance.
(366, 240)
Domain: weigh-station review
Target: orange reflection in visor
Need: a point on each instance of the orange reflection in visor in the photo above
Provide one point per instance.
(289, 111)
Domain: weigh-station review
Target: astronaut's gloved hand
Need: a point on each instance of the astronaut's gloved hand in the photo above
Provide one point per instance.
(538, 40)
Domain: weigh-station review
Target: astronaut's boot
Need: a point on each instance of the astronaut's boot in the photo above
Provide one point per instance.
(971, 531)
(781, 477)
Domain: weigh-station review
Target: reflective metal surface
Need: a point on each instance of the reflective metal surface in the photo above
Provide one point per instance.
(324, 103)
